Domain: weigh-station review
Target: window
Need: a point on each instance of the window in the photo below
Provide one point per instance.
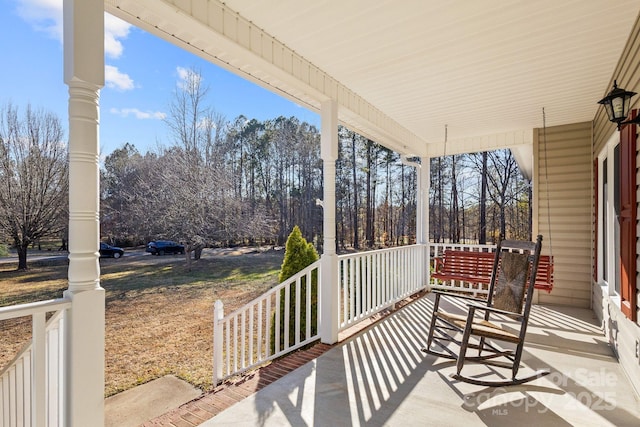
(609, 226)
(616, 219)
(604, 194)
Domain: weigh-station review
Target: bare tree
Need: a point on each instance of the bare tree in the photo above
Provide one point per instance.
(482, 229)
(33, 177)
(503, 169)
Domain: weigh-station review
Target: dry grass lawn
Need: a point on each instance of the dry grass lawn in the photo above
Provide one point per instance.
(159, 315)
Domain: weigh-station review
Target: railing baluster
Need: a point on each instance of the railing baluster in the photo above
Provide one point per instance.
(259, 338)
(298, 320)
(235, 342)
(287, 314)
(39, 404)
(278, 323)
(227, 365)
(13, 407)
(376, 278)
(243, 329)
(344, 281)
(267, 325)
(4, 403)
(20, 396)
(251, 335)
(369, 284)
(309, 307)
(352, 290)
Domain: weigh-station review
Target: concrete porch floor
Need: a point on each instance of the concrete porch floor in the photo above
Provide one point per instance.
(380, 377)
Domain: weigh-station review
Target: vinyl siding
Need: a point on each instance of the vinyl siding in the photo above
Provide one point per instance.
(623, 334)
(627, 73)
(566, 162)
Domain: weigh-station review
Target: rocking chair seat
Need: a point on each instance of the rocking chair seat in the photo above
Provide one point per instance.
(479, 327)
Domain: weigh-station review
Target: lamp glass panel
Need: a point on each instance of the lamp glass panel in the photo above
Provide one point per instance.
(627, 102)
(607, 106)
(618, 105)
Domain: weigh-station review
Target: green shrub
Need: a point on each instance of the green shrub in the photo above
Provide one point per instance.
(4, 250)
(298, 255)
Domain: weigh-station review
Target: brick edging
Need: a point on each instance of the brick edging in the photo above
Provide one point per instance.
(210, 404)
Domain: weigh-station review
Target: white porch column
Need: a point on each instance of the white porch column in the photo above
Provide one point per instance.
(329, 261)
(422, 213)
(422, 220)
(84, 330)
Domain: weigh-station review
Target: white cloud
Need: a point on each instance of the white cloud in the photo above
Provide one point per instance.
(46, 16)
(117, 80)
(43, 15)
(182, 73)
(115, 29)
(188, 78)
(138, 114)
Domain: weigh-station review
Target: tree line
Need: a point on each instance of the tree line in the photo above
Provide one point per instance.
(222, 182)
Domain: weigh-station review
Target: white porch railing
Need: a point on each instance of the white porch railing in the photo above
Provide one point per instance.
(437, 249)
(374, 280)
(369, 282)
(250, 336)
(31, 386)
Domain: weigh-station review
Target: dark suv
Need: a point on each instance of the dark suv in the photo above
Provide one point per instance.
(161, 247)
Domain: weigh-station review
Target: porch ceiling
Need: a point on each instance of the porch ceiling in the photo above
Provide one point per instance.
(403, 69)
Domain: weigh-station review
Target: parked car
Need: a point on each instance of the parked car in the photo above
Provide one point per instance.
(110, 251)
(161, 247)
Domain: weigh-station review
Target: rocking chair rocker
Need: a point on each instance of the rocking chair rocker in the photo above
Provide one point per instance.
(510, 295)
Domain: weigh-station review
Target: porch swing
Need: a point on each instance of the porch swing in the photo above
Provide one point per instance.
(476, 267)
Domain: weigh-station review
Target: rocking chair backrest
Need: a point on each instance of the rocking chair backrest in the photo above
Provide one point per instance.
(513, 278)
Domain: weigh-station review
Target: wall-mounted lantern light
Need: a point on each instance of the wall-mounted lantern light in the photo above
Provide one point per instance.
(616, 103)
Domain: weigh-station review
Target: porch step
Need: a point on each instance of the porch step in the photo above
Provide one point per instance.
(148, 401)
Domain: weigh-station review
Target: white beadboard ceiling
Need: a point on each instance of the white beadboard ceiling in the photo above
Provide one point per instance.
(483, 68)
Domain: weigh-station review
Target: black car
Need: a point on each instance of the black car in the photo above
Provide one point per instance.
(161, 247)
(110, 251)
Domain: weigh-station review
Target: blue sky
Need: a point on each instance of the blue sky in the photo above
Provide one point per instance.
(141, 72)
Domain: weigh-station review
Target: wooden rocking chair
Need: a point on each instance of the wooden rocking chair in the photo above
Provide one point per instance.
(510, 294)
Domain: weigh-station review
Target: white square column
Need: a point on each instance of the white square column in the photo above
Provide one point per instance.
(422, 213)
(329, 285)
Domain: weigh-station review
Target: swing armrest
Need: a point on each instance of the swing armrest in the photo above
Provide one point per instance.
(439, 293)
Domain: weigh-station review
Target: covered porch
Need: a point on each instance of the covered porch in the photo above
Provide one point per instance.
(487, 71)
(379, 376)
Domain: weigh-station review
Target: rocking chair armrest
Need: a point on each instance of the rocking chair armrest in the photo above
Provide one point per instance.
(513, 315)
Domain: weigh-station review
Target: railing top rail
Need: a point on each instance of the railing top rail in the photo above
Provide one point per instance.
(29, 309)
(364, 253)
(276, 288)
